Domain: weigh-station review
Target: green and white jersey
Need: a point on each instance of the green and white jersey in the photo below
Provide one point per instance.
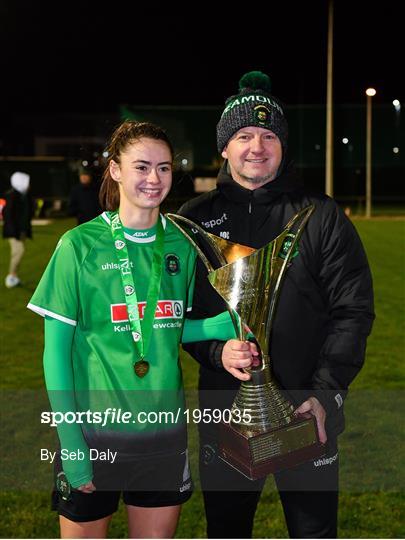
(82, 286)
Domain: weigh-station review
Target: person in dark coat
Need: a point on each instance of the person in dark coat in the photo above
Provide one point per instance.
(84, 203)
(17, 215)
(323, 317)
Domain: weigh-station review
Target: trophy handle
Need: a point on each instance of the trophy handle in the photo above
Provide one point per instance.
(224, 251)
(301, 219)
(174, 218)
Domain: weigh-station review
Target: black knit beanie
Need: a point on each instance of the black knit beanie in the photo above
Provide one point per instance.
(253, 106)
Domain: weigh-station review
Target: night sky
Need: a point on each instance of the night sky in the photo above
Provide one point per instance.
(66, 59)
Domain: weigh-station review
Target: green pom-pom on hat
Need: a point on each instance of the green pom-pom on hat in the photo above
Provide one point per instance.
(255, 80)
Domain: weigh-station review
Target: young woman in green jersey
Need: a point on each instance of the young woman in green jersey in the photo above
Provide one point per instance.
(114, 297)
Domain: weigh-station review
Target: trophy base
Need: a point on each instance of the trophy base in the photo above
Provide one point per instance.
(258, 455)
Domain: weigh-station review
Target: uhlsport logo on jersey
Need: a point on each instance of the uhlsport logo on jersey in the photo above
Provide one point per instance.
(165, 309)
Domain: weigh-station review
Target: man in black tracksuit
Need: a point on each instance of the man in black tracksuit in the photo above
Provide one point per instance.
(323, 317)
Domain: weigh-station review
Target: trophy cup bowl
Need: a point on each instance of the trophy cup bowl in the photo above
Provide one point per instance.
(263, 435)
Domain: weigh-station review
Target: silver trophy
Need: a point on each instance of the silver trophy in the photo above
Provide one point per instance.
(263, 435)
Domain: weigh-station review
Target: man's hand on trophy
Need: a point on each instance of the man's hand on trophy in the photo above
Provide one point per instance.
(237, 355)
(314, 407)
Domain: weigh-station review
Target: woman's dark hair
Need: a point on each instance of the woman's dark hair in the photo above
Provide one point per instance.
(126, 134)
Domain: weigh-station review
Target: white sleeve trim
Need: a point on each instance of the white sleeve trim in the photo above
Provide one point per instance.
(44, 312)
(189, 309)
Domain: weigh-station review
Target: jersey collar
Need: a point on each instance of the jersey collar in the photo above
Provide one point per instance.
(134, 238)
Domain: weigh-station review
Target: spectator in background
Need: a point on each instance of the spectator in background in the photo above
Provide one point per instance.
(17, 215)
(84, 203)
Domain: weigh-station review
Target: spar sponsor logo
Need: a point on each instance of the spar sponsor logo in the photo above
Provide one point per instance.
(165, 309)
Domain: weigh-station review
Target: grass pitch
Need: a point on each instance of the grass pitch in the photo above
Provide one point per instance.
(372, 464)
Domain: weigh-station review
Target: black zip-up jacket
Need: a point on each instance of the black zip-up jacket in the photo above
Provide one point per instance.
(325, 309)
(17, 214)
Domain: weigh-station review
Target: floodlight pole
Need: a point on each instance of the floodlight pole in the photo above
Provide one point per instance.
(329, 107)
(370, 92)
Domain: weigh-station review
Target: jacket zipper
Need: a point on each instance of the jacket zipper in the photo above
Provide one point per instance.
(250, 220)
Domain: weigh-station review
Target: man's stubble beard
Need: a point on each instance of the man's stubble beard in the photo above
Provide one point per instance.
(259, 179)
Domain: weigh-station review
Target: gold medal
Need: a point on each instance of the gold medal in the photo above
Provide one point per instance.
(141, 368)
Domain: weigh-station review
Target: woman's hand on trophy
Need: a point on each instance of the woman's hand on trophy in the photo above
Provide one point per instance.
(313, 406)
(237, 355)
